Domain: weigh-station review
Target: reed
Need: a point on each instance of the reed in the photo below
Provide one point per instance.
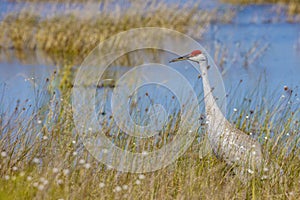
(42, 157)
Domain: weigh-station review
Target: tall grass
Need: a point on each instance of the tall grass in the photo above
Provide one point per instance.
(42, 157)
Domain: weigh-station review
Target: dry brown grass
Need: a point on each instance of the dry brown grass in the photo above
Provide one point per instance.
(78, 32)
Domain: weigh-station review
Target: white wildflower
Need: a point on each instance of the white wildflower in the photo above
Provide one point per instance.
(55, 170)
(118, 189)
(42, 179)
(59, 182)
(66, 172)
(35, 184)
(137, 182)
(266, 169)
(264, 177)
(36, 160)
(3, 154)
(141, 176)
(81, 161)
(101, 185)
(87, 165)
(41, 187)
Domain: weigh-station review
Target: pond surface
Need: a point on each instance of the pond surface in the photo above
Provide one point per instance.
(258, 44)
(260, 47)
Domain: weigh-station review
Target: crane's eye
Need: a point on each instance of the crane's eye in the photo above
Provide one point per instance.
(203, 58)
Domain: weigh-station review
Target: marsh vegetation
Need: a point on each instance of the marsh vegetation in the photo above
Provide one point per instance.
(42, 155)
(293, 6)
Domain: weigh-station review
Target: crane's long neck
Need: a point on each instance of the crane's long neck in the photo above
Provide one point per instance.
(215, 117)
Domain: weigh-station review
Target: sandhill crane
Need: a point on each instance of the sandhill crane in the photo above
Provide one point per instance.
(228, 143)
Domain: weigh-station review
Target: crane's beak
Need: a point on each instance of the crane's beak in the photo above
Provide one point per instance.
(186, 57)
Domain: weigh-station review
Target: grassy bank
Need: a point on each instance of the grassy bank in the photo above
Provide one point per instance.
(78, 32)
(293, 6)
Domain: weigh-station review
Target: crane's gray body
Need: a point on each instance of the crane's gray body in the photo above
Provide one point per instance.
(228, 143)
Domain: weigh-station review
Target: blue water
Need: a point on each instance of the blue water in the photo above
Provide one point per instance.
(23, 86)
(276, 57)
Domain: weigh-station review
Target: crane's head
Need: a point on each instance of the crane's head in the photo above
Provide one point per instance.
(196, 56)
